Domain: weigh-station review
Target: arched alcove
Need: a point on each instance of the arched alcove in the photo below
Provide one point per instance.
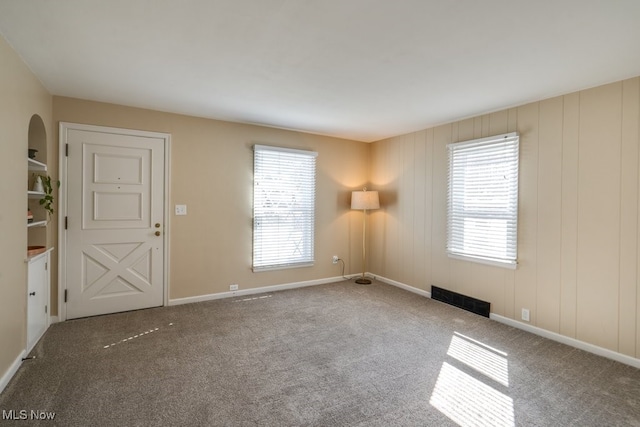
(38, 270)
(37, 227)
(38, 137)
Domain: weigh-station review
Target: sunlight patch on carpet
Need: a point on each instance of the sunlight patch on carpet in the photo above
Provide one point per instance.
(480, 357)
(470, 401)
(252, 298)
(133, 337)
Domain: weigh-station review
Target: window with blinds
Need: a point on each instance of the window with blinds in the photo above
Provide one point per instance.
(482, 221)
(284, 188)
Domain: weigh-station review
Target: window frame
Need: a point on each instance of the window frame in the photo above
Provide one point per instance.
(504, 198)
(291, 177)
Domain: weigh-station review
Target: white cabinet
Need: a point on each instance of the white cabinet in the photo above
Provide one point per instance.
(37, 297)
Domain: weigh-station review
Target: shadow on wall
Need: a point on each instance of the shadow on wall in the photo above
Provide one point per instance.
(388, 198)
(344, 200)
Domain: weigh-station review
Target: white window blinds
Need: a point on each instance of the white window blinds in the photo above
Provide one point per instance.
(482, 223)
(284, 189)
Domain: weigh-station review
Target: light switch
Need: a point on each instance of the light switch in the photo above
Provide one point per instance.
(181, 209)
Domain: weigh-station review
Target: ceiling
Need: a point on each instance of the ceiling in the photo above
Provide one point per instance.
(356, 69)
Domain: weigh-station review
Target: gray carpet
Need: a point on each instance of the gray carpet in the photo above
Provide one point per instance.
(332, 355)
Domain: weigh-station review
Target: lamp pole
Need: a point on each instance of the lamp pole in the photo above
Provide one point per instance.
(363, 280)
(364, 200)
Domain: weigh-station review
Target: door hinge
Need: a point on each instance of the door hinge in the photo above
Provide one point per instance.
(46, 265)
(66, 222)
(65, 295)
(66, 150)
(45, 309)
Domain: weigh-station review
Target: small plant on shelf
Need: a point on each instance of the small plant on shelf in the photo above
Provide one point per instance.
(47, 201)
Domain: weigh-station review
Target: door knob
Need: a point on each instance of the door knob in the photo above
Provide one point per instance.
(157, 233)
(157, 225)
(32, 294)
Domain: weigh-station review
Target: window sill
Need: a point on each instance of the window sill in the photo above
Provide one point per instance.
(486, 261)
(281, 267)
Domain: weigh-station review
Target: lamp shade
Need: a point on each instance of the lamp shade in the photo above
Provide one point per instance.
(365, 200)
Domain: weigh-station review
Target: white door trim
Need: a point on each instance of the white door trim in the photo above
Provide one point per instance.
(63, 196)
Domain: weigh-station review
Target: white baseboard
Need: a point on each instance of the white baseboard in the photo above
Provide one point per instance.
(591, 348)
(572, 342)
(4, 380)
(402, 286)
(259, 290)
(53, 319)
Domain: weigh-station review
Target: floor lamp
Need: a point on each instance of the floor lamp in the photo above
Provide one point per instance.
(364, 200)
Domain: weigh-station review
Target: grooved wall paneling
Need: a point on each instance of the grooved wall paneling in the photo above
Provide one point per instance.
(569, 215)
(549, 214)
(578, 230)
(599, 215)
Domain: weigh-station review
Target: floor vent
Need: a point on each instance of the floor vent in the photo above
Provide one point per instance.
(464, 302)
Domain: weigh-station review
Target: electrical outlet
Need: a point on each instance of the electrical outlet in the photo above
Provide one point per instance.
(525, 314)
(335, 259)
(181, 209)
(233, 287)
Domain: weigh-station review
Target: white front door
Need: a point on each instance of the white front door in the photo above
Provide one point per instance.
(114, 220)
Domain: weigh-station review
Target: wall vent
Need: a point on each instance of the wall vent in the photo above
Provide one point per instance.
(464, 302)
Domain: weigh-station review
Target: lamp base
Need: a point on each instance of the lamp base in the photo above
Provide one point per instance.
(363, 281)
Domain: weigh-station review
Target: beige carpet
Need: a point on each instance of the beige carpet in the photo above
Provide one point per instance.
(331, 355)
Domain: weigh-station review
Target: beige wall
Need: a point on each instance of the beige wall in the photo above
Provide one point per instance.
(578, 215)
(21, 97)
(212, 173)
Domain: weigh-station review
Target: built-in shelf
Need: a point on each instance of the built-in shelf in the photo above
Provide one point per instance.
(38, 256)
(37, 224)
(35, 194)
(36, 166)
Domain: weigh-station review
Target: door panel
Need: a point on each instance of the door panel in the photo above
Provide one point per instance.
(116, 189)
(37, 299)
(115, 199)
